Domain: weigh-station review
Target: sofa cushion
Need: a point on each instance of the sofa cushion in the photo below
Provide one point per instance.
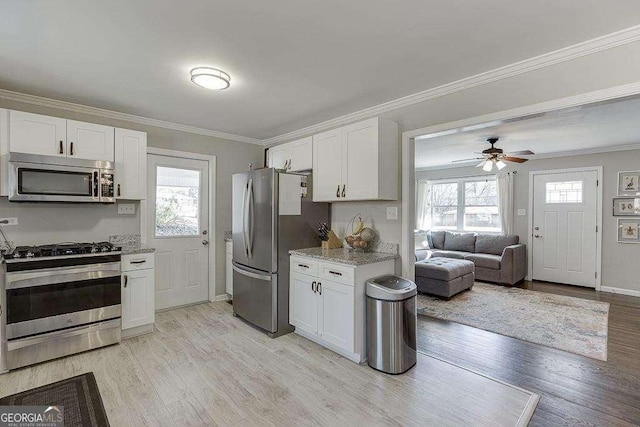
(436, 239)
(422, 254)
(443, 268)
(449, 254)
(460, 241)
(494, 244)
(485, 260)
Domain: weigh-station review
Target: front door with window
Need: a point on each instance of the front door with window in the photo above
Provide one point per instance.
(564, 227)
(178, 200)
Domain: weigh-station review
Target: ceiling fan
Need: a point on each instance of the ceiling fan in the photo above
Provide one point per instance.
(496, 156)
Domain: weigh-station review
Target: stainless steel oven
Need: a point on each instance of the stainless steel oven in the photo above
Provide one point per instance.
(34, 178)
(59, 305)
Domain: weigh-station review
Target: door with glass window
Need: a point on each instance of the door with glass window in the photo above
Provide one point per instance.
(178, 218)
(564, 227)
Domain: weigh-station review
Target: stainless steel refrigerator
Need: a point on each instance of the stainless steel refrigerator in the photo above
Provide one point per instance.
(272, 214)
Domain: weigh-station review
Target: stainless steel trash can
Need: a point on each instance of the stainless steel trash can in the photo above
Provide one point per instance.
(391, 324)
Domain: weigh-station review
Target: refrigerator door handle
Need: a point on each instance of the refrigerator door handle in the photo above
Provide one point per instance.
(251, 215)
(244, 220)
(251, 274)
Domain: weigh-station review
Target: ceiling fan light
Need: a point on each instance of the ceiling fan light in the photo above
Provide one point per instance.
(500, 164)
(210, 78)
(488, 166)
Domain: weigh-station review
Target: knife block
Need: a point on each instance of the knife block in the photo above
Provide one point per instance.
(333, 242)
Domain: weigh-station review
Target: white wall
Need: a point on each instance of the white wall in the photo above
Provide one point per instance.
(46, 223)
(618, 268)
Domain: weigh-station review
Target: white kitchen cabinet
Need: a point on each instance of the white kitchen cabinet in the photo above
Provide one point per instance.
(293, 156)
(131, 164)
(37, 134)
(138, 294)
(327, 302)
(90, 141)
(356, 162)
(229, 267)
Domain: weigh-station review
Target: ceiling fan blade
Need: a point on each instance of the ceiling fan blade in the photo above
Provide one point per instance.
(481, 164)
(514, 159)
(466, 160)
(521, 153)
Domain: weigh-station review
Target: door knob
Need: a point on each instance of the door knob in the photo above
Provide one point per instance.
(537, 236)
(205, 242)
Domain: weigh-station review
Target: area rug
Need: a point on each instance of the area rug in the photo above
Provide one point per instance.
(571, 324)
(78, 396)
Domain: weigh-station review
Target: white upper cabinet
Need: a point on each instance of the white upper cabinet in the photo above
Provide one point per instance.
(131, 164)
(356, 162)
(327, 166)
(89, 141)
(293, 156)
(37, 134)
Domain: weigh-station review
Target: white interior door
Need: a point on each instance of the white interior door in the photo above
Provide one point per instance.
(564, 227)
(178, 195)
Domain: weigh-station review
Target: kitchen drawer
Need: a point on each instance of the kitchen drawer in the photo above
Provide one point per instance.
(304, 266)
(336, 273)
(137, 262)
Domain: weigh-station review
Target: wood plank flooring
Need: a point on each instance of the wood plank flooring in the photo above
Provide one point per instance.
(204, 367)
(575, 390)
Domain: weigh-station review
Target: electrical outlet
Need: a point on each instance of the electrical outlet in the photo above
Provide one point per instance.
(392, 212)
(522, 212)
(9, 221)
(126, 209)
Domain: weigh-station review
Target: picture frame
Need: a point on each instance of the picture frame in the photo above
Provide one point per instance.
(629, 183)
(626, 206)
(629, 230)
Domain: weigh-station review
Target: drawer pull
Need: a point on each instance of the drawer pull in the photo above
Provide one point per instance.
(139, 262)
(303, 266)
(313, 286)
(335, 272)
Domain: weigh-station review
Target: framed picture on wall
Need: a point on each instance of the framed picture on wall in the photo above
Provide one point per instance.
(626, 206)
(628, 184)
(628, 230)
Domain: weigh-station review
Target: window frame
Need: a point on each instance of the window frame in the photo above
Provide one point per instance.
(461, 200)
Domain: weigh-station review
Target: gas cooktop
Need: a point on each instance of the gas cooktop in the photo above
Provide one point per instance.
(62, 249)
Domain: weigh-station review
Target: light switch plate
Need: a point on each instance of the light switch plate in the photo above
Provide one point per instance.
(522, 212)
(126, 209)
(10, 221)
(392, 212)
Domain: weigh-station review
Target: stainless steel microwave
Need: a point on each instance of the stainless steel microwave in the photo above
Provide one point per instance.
(35, 178)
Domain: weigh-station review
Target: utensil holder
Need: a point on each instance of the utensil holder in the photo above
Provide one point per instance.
(333, 242)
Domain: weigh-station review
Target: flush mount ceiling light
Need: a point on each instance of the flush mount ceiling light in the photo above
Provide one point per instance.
(210, 78)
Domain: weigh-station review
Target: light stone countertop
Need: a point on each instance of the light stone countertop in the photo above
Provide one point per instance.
(130, 250)
(343, 256)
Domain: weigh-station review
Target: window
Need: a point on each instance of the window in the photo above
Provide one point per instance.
(563, 192)
(177, 202)
(469, 204)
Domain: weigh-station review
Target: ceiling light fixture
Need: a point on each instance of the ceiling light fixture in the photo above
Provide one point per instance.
(210, 78)
(500, 164)
(488, 166)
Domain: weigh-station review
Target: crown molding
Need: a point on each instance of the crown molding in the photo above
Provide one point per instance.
(99, 112)
(589, 47)
(542, 156)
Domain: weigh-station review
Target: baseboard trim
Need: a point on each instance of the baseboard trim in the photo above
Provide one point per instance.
(223, 297)
(620, 291)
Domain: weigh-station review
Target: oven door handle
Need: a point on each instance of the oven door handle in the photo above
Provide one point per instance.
(25, 279)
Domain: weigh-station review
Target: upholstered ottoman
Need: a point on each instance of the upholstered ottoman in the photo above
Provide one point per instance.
(444, 277)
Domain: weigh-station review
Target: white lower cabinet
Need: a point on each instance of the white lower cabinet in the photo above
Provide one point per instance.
(138, 294)
(327, 303)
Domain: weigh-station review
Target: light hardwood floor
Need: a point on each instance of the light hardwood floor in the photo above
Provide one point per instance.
(204, 367)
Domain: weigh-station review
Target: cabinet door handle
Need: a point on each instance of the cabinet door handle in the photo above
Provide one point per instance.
(335, 273)
(313, 286)
(71, 149)
(118, 190)
(126, 280)
(319, 288)
(61, 149)
(289, 164)
(303, 266)
(338, 191)
(343, 188)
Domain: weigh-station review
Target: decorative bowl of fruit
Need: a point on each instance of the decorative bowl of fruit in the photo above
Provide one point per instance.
(361, 237)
